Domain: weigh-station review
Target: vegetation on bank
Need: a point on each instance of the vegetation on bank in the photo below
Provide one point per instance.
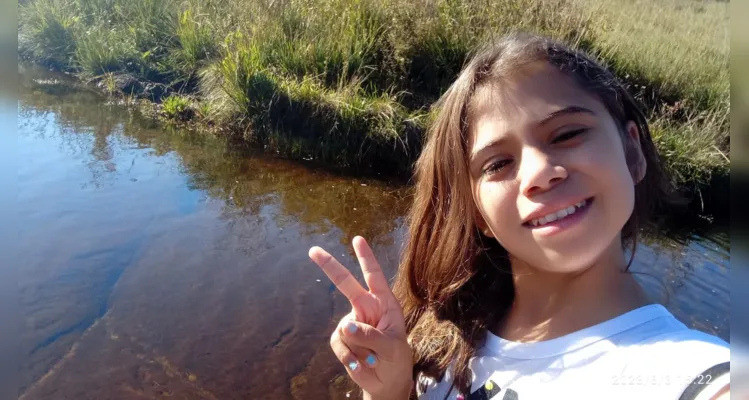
(350, 82)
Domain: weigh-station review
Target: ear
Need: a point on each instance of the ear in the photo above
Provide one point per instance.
(633, 153)
(482, 225)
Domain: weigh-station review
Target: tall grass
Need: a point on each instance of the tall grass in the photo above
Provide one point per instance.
(48, 32)
(306, 41)
(100, 50)
(677, 49)
(93, 11)
(194, 44)
(239, 84)
(150, 22)
(694, 150)
(439, 36)
(363, 73)
(303, 117)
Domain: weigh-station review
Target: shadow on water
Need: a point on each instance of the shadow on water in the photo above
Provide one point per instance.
(161, 262)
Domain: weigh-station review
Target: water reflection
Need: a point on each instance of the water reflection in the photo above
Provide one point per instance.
(161, 262)
(689, 276)
(170, 263)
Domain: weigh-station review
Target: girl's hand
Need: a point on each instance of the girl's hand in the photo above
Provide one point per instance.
(371, 340)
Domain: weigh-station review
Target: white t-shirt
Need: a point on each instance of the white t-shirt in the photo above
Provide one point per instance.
(643, 354)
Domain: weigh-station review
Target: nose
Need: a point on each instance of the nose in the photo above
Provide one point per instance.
(538, 172)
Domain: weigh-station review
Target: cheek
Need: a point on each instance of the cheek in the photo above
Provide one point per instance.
(604, 158)
(606, 164)
(497, 201)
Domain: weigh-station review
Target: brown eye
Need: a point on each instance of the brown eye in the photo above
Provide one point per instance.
(569, 135)
(496, 166)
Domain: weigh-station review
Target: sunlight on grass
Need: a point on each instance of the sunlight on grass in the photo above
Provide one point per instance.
(365, 72)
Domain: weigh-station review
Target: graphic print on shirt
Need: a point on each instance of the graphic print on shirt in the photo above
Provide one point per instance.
(489, 390)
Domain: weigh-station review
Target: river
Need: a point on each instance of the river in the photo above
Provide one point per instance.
(155, 261)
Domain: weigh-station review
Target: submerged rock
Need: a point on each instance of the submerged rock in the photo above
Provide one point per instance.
(154, 91)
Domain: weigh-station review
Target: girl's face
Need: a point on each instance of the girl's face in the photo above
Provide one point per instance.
(548, 170)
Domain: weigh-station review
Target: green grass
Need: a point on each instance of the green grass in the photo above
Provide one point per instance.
(47, 32)
(679, 48)
(302, 117)
(194, 44)
(349, 82)
(175, 106)
(690, 149)
(238, 84)
(336, 50)
(100, 50)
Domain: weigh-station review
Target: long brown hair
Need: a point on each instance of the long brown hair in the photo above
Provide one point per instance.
(453, 282)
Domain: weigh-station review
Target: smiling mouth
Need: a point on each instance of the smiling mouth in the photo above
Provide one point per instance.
(559, 215)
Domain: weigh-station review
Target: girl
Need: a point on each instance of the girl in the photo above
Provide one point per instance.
(534, 179)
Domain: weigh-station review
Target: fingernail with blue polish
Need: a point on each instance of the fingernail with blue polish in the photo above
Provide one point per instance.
(353, 365)
(371, 360)
(351, 327)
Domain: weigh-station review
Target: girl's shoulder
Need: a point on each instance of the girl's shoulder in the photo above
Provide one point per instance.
(678, 363)
(675, 356)
(683, 343)
(662, 341)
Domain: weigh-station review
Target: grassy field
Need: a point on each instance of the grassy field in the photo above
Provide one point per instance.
(350, 82)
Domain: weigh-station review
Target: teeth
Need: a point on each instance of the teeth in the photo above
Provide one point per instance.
(557, 215)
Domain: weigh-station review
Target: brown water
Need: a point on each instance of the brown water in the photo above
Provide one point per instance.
(156, 262)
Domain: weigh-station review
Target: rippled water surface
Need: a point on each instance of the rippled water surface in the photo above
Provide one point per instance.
(157, 262)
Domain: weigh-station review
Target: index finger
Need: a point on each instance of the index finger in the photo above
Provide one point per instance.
(337, 273)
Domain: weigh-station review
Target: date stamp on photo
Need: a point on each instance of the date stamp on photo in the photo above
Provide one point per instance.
(657, 379)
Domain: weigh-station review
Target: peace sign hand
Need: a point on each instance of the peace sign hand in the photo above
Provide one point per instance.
(371, 340)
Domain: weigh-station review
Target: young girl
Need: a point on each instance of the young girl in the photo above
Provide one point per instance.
(534, 179)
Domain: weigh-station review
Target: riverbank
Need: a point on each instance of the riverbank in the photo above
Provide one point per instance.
(354, 91)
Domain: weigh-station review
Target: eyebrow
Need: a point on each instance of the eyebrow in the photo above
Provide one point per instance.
(564, 111)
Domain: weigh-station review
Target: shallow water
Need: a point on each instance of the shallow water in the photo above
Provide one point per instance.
(158, 262)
